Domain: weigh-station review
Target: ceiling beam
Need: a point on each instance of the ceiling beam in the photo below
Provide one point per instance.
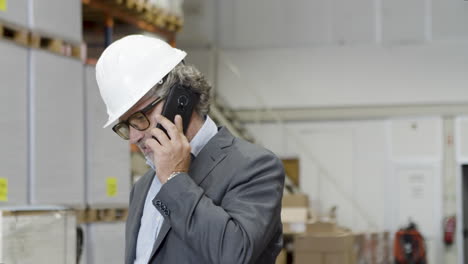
(348, 113)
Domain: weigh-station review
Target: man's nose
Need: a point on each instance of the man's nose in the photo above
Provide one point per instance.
(135, 135)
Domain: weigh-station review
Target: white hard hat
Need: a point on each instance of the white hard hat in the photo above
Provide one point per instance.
(129, 68)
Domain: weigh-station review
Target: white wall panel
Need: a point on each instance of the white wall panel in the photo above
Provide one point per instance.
(370, 173)
(353, 21)
(352, 154)
(273, 137)
(357, 157)
(449, 19)
(252, 31)
(106, 243)
(346, 76)
(461, 139)
(199, 24)
(305, 22)
(58, 18)
(16, 12)
(331, 153)
(416, 139)
(403, 21)
(57, 172)
(263, 23)
(267, 24)
(13, 108)
(108, 156)
(204, 60)
(225, 29)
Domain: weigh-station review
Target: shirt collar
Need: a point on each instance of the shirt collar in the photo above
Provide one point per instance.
(206, 132)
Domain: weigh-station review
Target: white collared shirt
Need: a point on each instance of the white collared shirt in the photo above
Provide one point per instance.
(152, 220)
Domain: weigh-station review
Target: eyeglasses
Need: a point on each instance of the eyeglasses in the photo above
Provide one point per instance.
(138, 120)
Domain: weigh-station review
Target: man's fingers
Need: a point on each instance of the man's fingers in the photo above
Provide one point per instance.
(153, 144)
(179, 124)
(160, 136)
(170, 127)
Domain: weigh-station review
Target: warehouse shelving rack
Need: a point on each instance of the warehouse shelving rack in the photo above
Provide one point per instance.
(29, 38)
(139, 13)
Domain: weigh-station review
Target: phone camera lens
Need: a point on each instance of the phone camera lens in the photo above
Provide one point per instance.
(182, 101)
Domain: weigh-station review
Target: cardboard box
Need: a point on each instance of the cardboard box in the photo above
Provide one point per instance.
(108, 175)
(31, 237)
(295, 213)
(57, 129)
(294, 219)
(13, 106)
(294, 228)
(295, 200)
(321, 227)
(324, 243)
(324, 249)
(282, 257)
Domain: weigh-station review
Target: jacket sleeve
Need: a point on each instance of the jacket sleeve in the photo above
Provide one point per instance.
(240, 227)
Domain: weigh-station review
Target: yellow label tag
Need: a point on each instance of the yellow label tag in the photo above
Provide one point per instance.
(3, 189)
(3, 5)
(111, 186)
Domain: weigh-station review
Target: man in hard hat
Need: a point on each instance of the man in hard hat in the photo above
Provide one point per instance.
(209, 197)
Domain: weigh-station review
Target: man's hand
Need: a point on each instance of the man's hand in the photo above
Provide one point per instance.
(169, 154)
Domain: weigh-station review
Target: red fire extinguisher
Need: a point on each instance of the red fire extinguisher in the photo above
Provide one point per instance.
(449, 230)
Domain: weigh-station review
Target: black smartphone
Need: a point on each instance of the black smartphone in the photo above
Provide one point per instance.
(180, 101)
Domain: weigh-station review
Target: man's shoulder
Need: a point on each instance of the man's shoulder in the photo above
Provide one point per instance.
(250, 151)
(236, 144)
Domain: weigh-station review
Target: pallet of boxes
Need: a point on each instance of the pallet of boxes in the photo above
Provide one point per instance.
(324, 243)
(311, 240)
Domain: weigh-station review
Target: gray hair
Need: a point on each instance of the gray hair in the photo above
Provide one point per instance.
(189, 76)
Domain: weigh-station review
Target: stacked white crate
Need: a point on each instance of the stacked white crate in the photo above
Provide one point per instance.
(13, 135)
(173, 7)
(51, 181)
(57, 18)
(107, 155)
(105, 243)
(61, 19)
(16, 13)
(57, 121)
(45, 237)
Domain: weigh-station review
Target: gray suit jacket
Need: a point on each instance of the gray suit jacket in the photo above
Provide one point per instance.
(226, 209)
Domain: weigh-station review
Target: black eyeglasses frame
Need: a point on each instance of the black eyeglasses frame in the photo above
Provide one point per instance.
(143, 111)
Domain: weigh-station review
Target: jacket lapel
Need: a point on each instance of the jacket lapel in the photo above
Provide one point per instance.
(201, 166)
(162, 234)
(139, 198)
(213, 153)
